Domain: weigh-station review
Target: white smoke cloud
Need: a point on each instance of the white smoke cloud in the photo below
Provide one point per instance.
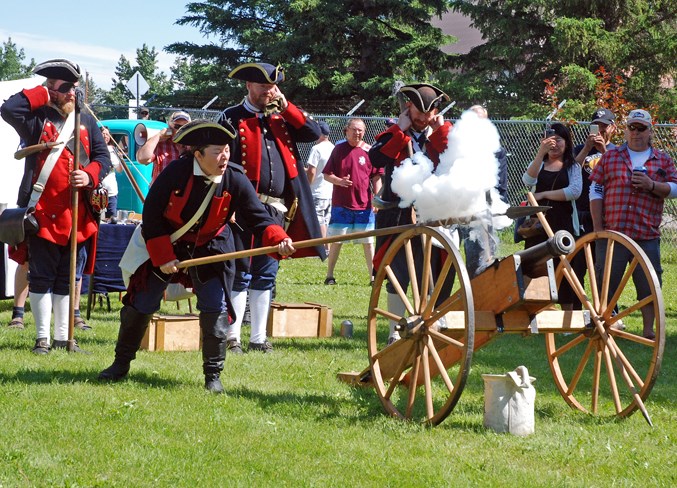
(457, 188)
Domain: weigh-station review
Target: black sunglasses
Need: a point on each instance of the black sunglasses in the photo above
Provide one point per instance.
(65, 87)
(638, 128)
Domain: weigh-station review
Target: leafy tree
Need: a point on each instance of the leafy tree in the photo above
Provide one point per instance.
(11, 62)
(529, 41)
(338, 51)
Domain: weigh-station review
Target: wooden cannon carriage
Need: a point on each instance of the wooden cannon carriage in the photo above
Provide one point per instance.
(597, 366)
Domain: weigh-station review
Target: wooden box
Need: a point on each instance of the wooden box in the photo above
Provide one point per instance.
(172, 333)
(299, 320)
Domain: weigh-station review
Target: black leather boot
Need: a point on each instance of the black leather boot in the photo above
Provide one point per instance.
(214, 327)
(133, 325)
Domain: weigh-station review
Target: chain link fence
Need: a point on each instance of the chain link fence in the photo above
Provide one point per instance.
(520, 138)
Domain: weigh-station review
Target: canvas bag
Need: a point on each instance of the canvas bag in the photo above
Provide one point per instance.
(136, 252)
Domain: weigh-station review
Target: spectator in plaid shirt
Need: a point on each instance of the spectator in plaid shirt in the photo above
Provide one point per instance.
(630, 184)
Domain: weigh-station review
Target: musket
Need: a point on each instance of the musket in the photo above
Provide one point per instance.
(74, 231)
(35, 148)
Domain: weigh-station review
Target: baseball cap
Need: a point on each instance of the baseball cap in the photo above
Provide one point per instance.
(180, 116)
(639, 116)
(324, 128)
(604, 116)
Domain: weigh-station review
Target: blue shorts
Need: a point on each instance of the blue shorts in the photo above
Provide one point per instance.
(344, 221)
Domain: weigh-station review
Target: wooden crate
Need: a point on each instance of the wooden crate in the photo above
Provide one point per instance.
(299, 320)
(173, 333)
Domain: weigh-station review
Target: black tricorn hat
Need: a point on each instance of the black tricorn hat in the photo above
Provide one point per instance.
(58, 69)
(425, 97)
(258, 73)
(200, 133)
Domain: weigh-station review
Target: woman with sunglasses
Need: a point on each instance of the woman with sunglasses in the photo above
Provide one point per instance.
(630, 185)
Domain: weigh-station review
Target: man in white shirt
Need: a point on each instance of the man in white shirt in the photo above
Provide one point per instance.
(320, 188)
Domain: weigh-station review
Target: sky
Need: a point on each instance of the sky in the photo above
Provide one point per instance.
(101, 33)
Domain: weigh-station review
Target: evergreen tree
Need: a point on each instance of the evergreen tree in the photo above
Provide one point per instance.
(11, 62)
(334, 51)
(528, 42)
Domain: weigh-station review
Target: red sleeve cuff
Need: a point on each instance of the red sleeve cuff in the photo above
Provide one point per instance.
(93, 169)
(439, 138)
(396, 144)
(294, 116)
(161, 250)
(37, 96)
(273, 235)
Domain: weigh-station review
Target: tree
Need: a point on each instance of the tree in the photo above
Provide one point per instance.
(11, 62)
(339, 51)
(147, 66)
(529, 41)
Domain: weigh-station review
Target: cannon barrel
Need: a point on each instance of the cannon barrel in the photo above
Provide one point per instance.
(533, 259)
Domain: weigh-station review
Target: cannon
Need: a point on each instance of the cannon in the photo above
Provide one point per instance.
(598, 366)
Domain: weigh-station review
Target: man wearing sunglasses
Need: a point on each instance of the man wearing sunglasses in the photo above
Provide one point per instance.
(42, 115)
(160, 149)
(630, 185)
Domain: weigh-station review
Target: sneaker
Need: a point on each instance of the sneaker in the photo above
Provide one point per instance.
(234, 347)
(81, 324)
(618, 325)
(64, 345)
(330, 281)
(264, 347)
(16, 323)
(41, 346)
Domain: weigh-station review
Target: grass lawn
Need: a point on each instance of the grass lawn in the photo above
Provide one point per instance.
(287, 421)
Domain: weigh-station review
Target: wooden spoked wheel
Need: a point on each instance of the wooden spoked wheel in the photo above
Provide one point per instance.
(592, 369)
(421, 376)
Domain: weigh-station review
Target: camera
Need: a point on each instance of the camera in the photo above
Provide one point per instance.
(594, 129)
(169, 132)
(549, 132)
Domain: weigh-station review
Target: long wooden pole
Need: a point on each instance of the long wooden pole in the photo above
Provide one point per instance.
(582, 296)
(297, 245)
(74, 233)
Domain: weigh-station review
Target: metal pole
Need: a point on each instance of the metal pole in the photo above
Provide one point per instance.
(352, 110)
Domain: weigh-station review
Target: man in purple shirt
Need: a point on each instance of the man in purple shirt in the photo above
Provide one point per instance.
(355, 180)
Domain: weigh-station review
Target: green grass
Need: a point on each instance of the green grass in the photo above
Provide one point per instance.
(287, 421)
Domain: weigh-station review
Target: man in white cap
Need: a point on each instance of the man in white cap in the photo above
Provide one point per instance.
(161, 148)
(630, 185)
(44, 115)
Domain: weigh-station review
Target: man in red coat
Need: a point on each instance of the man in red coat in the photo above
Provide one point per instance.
(419, 128)
(46, 114)
(268, 127)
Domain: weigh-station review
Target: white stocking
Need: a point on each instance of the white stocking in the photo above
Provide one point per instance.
(395, 306)
(259, 307)
(239, 301)
(61, 304)
(41, 306)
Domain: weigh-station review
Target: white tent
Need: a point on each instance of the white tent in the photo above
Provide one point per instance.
(12, 171)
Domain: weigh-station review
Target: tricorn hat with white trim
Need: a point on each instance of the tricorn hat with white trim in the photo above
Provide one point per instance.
(58, 69)
(425, 97)
(200, 133)
(258, 73)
